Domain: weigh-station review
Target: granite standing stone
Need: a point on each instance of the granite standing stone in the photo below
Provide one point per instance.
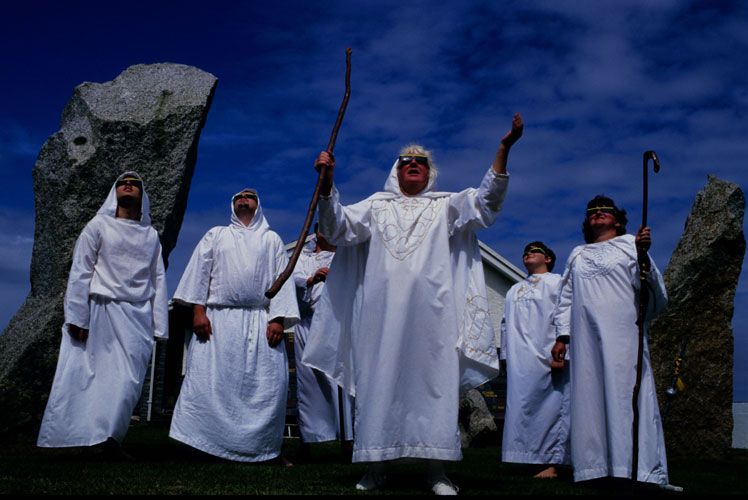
(148, 120)
(701, 280)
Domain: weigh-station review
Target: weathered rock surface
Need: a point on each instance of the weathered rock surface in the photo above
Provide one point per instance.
(148, 120)
(477, 427)
(701, 280)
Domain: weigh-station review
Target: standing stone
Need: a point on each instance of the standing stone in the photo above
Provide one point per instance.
(148, 120)
(476, 423)
(701, 280)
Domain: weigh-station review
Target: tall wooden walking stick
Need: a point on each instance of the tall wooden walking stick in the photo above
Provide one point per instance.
(644, 267)
(275, 288)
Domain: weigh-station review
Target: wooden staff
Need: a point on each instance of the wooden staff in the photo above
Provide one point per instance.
(275, 288)
(644, 267)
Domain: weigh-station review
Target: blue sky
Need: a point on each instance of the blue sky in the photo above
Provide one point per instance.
(597, 84)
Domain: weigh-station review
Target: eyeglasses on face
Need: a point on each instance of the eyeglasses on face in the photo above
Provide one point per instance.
(239, 196)
(605, 210)
(534, 250)
(130, 180)
(407, 159)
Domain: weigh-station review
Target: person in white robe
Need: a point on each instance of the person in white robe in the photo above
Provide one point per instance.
(536, 422)
(403, 323)
(318, 406)
(232, 403)
(596, 315)
(116, 302)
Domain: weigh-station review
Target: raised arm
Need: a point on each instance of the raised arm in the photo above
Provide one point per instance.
(499, 163)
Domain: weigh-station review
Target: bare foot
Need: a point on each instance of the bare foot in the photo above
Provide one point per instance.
(281, 460)
(548, 473)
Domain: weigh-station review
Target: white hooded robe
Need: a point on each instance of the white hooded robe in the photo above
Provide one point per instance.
(403, 323)
(116, 290)
(232, 403)
(598, 308)
(536, 422)
(317, 395)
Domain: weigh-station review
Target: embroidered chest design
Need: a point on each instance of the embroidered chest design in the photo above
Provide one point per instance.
(527, 287)
(403, 223)
(596, 261)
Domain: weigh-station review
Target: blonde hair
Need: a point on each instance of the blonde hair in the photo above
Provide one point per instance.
(417, 149)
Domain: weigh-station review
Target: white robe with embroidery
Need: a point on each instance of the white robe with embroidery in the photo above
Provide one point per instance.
(116, 290)
(232, 403)
(403, 323)
(317, 395)
(598, 308)
(536, 423)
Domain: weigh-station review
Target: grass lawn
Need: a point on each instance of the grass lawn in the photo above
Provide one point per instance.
(162, 466)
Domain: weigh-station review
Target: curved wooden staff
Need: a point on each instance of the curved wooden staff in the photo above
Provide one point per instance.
(275, 288)
(644, 267)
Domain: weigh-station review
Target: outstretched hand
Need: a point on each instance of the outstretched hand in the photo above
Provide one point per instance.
(515, 133)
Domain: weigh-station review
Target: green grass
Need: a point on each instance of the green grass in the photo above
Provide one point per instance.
(164, 467)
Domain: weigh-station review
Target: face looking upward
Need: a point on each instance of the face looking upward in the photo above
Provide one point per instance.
(602, 219)
(413, 173)
(129, 190)
(534, 260)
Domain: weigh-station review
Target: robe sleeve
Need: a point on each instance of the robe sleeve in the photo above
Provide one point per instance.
(194, 286)
(300, 272)
(284, 304)
(344, 226)
(502, 348)
(657, 292)
(474, 209)
(562, 310)
(85, 254)
(160, 299)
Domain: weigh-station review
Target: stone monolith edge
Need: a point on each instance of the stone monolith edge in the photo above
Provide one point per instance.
(476, 423)
(701, 280)
(148, 120)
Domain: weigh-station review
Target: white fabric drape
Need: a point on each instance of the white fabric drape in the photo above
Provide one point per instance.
(117, 290)
(597, 308)
(317, 395)
(233, 399)
(403, 322)
(536, 422)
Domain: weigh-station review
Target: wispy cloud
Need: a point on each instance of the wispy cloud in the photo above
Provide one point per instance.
(597, 84)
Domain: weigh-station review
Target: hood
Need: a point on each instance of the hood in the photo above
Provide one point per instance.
(258, 221)
(110, 204)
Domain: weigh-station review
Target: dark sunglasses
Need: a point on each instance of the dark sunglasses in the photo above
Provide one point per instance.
(239, 196)
(534, 250)
(605, 210)
(130, 180)
(420, 159)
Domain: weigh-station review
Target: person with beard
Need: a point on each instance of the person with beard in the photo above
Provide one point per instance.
(115, 304)
(232, 402)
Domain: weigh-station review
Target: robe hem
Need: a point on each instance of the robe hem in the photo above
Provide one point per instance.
(221, 452)
(622, 472)
(46, 444)
(384, 454)
(534, 458)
